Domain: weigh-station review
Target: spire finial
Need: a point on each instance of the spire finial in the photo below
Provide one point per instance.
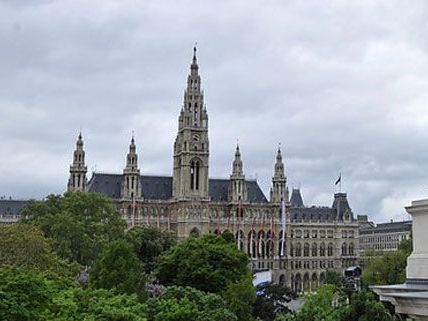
(133, 137)
(194, 52)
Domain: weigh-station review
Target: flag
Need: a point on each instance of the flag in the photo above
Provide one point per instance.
(338, 180)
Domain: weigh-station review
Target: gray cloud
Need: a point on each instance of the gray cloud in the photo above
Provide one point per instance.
(343, 86)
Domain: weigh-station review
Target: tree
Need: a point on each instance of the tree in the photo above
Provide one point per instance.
(331, 304)
(208, 263)
(24, 296)
(240, 297)
(27, 296)
(79, 224)
(149, 243)
(24, 246)
(406, 246)
(386, 269)
(334, 278)
(186, 303)
(119, 268)
(319, 306)
(389, 267)
(271, 301)
(364, 307)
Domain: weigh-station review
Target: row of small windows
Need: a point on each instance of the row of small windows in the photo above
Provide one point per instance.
(314, 250)
(320, 233)
(313, 264)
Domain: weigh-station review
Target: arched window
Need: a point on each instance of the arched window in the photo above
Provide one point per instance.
(330, 249)
(351, 249)
(282, 279)
(194, 175)
(314, 249)
(306, 249)
(298, 249)
(322, 249)
(344, 249)
(269, 249)
(195, 232)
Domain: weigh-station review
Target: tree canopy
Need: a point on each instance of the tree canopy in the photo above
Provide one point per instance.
(331, 304)
(149, 243)
(24, 246)
(208, 263)
(79, 224)
(119, 268)
(186, 303)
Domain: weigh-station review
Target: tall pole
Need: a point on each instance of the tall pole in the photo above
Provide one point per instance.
(283, 225)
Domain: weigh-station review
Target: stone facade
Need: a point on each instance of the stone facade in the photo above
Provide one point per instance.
(189, 202)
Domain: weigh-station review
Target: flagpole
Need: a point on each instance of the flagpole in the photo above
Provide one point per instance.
(133, 210)
(283, 225)
(340, 183)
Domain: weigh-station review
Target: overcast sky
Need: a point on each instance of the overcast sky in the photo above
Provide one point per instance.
(343, 85)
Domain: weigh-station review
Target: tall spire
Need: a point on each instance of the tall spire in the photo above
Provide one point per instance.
(237, 186)
(131, 185)
(237, 163)
(77, 181)
(191, 147)
(279, 190)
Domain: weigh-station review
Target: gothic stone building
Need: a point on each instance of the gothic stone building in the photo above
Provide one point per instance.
(189, 202)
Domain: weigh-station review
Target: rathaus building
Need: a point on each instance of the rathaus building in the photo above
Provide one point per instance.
(317, 239)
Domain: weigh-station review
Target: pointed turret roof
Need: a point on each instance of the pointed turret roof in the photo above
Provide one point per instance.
(296, 199)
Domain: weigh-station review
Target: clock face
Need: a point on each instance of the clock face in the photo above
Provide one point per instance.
(196, 137)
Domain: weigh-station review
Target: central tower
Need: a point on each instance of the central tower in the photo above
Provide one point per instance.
(191, 147)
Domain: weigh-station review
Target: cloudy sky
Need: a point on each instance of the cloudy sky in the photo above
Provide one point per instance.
(343, 85)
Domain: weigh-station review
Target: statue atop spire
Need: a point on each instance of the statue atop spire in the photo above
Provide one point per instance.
(194, 54)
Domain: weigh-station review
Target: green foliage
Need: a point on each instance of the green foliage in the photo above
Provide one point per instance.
(119, 268)
(186, 303)
(365, 307)
(149, 243)
(386, 269)
(406, 246)
(228, 236)
(317, 306)
(79, 224)
(330, 304)
(271, 301)
(389, 267)
(26, 296)
(334, 278)
(100, 304)
(240, 297)
(24, 246)
(208, 263)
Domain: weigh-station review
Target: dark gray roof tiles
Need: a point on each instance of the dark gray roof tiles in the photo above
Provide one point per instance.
(387, 227)
(11, 207)
(160, 187)
(296, 199)
(322, 214)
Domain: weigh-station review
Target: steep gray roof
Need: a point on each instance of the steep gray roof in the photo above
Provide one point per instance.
(387, 227)
(299, 213)
(296, 199)
(11, 207)
(160, 187)
(312, 214)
